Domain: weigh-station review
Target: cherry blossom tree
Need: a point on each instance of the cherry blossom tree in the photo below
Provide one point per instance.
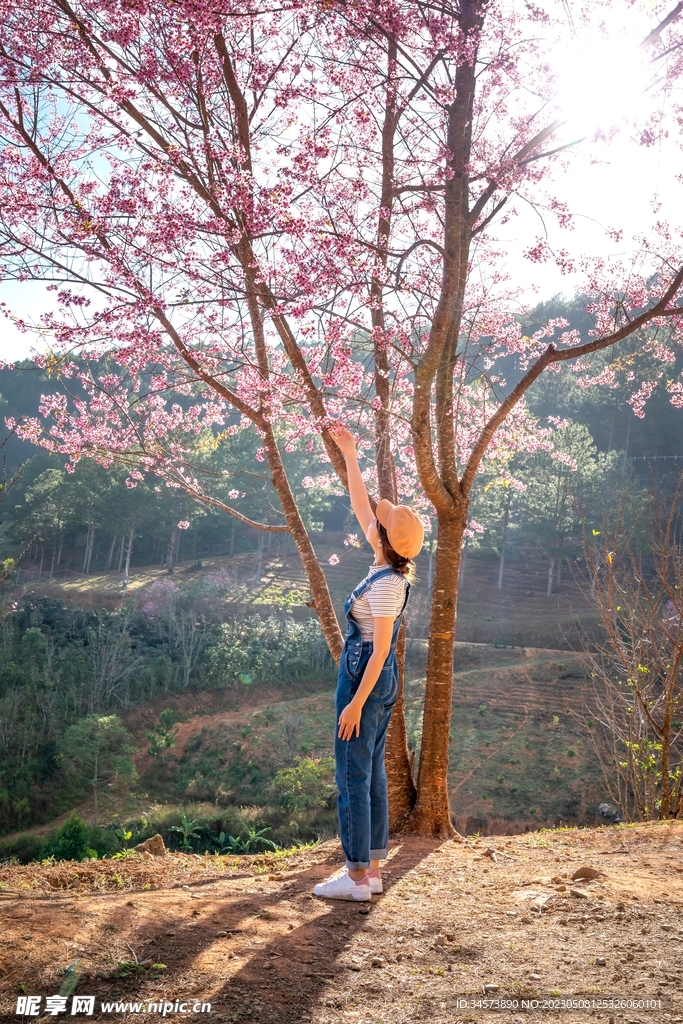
(272, 220)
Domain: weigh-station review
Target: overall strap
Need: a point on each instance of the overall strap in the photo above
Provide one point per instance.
(405, 599)
(399, 617)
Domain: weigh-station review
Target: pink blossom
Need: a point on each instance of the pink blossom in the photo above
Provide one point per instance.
(271, 284)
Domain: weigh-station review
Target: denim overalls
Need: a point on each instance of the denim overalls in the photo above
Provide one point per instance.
(359, 762)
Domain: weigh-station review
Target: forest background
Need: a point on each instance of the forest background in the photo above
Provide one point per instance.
(221, 609)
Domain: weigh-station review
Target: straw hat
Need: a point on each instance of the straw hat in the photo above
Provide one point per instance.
(404, 528)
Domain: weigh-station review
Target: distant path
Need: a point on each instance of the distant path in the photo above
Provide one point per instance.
(190, 728)
(504, 668)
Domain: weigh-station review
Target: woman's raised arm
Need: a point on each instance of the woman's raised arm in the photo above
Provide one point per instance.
(360, 504)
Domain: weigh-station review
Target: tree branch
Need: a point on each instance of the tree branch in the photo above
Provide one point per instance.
(206, 499)
(562, 355)
(554, 355)
(420, 241)
(656, 32)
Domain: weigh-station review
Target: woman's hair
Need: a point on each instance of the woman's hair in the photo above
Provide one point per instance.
(405, 566)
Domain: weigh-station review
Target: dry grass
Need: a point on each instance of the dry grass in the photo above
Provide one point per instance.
(248, 937)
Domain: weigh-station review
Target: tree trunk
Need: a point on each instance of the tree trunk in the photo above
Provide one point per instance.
(110, 557)
(430, 566)
(503, 544)
(665, 791)
(88, 548)
(95, 808)
(435, 375)
(322, 602)
(397, 762)
(59, 550)
(624, 464)
(91, 551)
(431, 813)
(551, 570)
(173, 545)
(121, 549)
(54, 556)
(397, 757)
(259, 558)
(129, 549)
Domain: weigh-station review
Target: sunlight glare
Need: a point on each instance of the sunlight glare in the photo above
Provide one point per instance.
(602, 83)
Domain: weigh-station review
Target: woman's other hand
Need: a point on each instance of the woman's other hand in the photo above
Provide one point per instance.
(349, 721)
(344, 439)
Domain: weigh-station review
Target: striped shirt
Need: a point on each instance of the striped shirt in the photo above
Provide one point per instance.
(383, 599)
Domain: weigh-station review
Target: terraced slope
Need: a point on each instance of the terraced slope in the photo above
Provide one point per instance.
(519, 614)
(519, 755)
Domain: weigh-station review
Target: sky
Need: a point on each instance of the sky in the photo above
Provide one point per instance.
(611, 182)
(607, 184)
(617, 192)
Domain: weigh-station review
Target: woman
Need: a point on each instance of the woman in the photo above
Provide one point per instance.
(368, 684)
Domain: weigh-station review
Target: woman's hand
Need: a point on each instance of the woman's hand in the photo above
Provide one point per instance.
(344, 439)
(349, 721)
(360, 502)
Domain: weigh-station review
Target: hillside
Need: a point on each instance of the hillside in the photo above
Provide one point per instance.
(459, 923)
(519, 754)
(511, 767)
(520, 614)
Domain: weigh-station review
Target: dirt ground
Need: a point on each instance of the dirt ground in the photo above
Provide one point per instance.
(246, 936)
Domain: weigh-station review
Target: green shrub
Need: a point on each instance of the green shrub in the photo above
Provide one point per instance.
(188, 830)
(255, 841)
(306, 785)
(71, 841)
(74, 840)
(150, 659)
(25, 848)
(269, 650)
(104, 841)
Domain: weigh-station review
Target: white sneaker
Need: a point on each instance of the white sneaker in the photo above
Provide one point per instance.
(342, 887)
(375, 882)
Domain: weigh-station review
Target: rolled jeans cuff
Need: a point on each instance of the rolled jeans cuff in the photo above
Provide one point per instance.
(357, 865)
(378, 854)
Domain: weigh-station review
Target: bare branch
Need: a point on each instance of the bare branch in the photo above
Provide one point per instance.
(415, 245)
